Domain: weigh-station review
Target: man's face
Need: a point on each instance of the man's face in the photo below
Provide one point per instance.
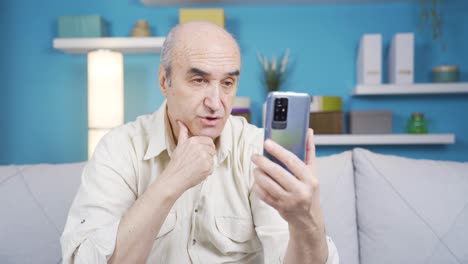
(204, 82)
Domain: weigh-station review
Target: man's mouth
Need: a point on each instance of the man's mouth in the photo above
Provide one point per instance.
(210, 120)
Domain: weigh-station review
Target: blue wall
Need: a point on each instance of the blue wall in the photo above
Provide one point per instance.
(43, 92)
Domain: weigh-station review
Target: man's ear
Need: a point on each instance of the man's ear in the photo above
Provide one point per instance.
(162, 75)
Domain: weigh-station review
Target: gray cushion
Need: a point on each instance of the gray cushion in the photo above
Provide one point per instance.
(6, 172)
(411, 211)
(34, 202)
(338, 203)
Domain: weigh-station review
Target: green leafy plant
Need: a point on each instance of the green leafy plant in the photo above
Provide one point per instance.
(432, 14)
(274, 73)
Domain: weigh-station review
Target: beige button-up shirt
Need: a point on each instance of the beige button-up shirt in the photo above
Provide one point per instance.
(218, 221)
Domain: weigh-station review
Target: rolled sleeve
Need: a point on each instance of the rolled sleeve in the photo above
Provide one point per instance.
(90, 247)
(333, 257)
(107, 190)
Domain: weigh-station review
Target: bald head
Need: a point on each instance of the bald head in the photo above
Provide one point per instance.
(196, 36)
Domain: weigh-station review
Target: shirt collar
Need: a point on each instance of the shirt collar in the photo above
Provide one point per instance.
(225, 141)
(162, 139)
(157, 137)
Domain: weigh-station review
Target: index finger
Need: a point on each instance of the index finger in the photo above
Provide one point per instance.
(310, 148)
(183, 133)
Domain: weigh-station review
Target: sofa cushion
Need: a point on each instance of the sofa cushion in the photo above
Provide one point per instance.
(34, 202)
(411, 211)
(338, 202)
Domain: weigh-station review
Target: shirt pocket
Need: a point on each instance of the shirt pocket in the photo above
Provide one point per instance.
(168, 224)
(237, 235)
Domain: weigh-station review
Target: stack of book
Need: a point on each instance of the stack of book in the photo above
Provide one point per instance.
(326, 115)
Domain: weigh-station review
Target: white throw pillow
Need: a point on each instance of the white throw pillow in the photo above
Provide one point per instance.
(338, 202)
(411, 211)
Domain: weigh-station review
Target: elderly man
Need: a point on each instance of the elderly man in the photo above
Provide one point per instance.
(186, 184)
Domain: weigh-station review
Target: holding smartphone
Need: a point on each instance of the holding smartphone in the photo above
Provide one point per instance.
(287, 121)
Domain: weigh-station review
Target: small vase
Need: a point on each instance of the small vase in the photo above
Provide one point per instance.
(141, 29)
(417, 124)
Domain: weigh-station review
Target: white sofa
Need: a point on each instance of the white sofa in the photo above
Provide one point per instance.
(378, 209)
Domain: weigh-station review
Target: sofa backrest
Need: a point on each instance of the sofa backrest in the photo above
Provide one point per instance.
(338, 202)
(34, 203)
(411, 211)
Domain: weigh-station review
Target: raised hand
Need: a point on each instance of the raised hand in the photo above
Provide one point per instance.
(295, 196)
(192, 160)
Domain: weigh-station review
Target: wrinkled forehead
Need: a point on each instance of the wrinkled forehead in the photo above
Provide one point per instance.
(207, 50)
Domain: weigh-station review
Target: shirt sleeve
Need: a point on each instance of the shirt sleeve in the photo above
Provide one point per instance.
(271, 228)
(333, 257)
(107, 190)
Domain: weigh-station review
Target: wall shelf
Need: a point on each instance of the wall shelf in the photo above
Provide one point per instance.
(411, 89)
(130, 45)
(385, 139)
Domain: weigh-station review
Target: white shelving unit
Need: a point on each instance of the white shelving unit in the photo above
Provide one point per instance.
(385, 139)
(411, 89)
(130, 45)
(135, 45)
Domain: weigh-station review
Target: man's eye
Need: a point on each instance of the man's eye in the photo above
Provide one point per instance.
(199, 81)
(228, 83)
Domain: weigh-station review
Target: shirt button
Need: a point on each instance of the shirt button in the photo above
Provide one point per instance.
(196, 210)
(194, 241)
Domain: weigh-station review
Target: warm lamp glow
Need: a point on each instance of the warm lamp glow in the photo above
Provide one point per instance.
(105, 94)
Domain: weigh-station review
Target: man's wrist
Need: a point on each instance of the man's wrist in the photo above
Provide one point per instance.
(311, 225)
(311, 233)
(166, 190)
(315, 241)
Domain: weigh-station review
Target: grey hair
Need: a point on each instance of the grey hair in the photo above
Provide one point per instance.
(166, 53)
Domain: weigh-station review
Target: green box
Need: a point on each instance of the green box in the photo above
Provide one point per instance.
(90, 26)
(326, 104)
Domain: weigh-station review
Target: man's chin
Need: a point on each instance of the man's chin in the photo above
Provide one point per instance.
(212, 132)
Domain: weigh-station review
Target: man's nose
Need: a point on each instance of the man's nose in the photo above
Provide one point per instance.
(213, 99)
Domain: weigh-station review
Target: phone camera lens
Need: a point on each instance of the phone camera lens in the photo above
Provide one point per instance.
(280, 109)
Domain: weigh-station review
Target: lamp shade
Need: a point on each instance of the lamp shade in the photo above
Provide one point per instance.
(105, 94)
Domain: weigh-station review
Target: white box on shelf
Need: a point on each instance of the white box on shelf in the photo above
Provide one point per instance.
(369, 59)
(401, 59)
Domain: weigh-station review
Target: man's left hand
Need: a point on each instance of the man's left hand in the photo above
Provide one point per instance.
(295, 194)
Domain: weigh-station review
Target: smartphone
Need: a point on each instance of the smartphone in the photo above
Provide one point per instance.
(287, 121)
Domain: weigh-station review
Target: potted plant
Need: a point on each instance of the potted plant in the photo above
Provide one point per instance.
(274, 73)
(432, 14)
